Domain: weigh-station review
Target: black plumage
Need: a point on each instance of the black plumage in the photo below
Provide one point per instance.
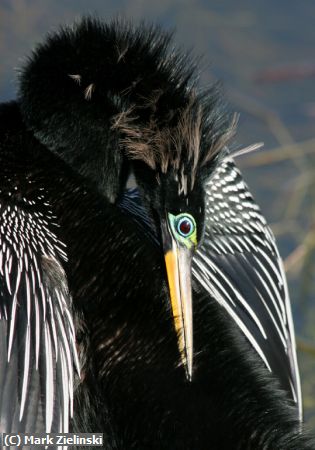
(97, 104)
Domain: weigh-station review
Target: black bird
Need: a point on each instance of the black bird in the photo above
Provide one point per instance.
(171, 295)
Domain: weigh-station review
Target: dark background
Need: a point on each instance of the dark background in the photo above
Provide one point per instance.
(263, 51)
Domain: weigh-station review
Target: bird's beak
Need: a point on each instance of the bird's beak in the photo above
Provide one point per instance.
(178, 268)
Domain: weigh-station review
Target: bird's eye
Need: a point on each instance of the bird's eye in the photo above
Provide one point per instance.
(185, 226)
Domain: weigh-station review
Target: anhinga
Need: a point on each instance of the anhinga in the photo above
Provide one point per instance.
(171, 295)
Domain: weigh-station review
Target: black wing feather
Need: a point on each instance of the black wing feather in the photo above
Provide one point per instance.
(36, 329)
(239, 265)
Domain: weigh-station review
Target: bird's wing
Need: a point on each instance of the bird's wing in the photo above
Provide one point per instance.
(239, 265)
(37, 343)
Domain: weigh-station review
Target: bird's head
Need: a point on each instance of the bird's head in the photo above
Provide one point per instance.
(108, 99)
(171, 163)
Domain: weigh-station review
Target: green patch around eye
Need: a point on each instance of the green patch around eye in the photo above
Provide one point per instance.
(184, 228)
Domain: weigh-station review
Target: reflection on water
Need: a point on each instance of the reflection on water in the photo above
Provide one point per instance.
(264, 53)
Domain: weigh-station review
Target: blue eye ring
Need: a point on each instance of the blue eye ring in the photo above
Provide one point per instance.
(185, 226)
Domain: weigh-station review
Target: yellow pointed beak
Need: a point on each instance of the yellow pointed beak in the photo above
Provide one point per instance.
(178, 268)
